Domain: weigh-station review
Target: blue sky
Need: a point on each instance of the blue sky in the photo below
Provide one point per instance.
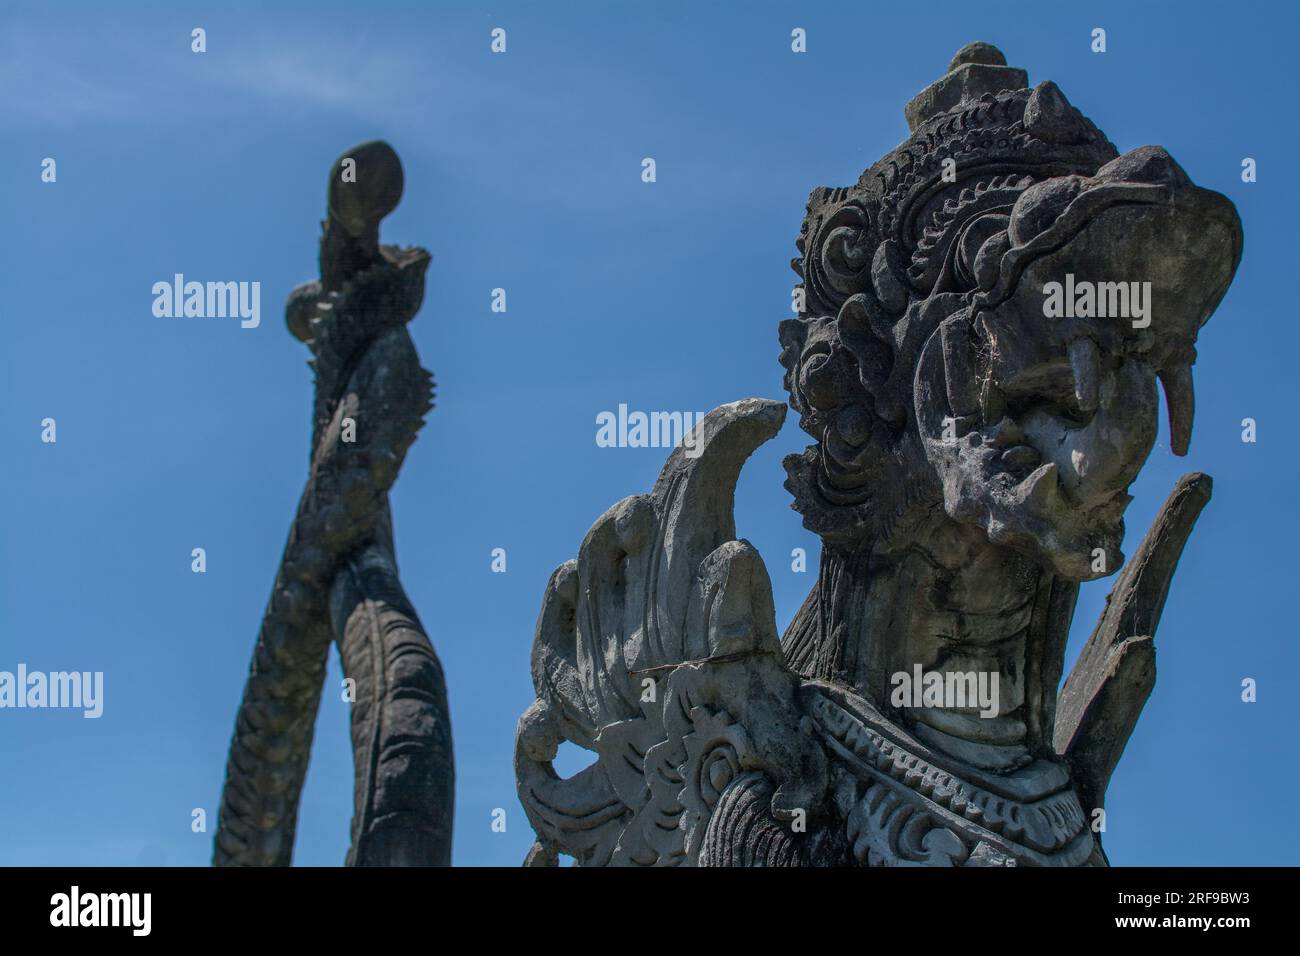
(523, 172)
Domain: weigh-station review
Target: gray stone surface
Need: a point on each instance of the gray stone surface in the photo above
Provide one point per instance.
(970, 467)
(338, 577)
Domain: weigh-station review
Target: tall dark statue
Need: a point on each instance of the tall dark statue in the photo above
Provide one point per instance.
(338, 578)
(987, 317)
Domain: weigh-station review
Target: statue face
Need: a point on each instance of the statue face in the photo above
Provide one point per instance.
(988, 314)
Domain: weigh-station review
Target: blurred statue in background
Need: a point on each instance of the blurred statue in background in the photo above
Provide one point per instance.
(338, 578)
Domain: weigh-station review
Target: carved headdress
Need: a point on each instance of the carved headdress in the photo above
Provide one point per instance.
(936, 258)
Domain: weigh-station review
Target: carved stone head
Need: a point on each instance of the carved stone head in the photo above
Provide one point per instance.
(985, 317)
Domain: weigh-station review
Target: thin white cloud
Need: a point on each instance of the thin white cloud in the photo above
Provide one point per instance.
(54, 86)
(82, 71)
(323, 73)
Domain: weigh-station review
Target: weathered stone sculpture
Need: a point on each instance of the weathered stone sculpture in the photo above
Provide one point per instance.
(985, 317)
(338, 577)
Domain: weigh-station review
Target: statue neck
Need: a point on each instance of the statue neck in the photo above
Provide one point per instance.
(980, 626)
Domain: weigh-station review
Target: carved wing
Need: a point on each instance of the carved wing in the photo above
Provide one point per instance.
(657, 649)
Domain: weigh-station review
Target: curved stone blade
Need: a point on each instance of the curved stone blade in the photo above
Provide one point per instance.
(694, 502)
(1110, 682)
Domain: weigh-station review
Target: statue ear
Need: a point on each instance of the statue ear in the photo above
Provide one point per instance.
(867, 332)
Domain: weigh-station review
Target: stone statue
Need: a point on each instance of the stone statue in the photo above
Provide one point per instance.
(985, 315)
(338, 577)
